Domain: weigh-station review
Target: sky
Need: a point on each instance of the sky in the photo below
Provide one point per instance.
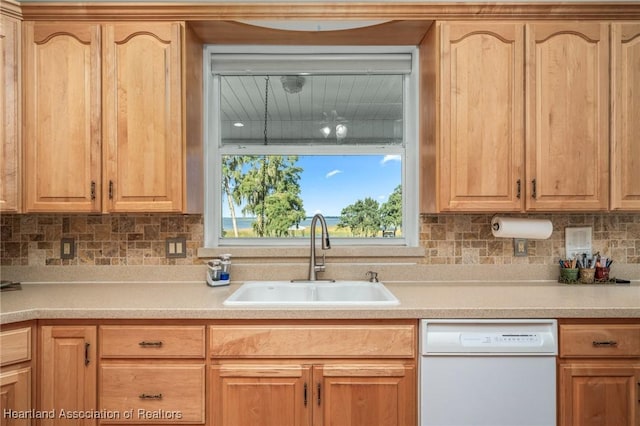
(330, 183)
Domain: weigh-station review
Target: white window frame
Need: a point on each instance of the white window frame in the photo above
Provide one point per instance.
(213, 149)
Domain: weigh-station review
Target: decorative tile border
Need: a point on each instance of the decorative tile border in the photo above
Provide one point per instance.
(139, 239)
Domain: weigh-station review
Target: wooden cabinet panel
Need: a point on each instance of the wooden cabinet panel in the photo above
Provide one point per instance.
(611, 341)
(143, 117)
(67, 372)
(599, 394)
(15, 346)
(10, 118)
(625, 110)
(176, 391)
(62, 117)
(361, 394)
(15, 396)
(313, 341)
(482, 116)
(152, 341)
(261, 394)
(567, 87)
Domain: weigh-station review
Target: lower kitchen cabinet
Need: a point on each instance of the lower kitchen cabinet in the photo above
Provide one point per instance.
(67, 374)
(15, 376)
(261, 394)
(599, 394)
(374, 394)
(316, 374)
(146, 392)
(599, 374)
(380, 394)
(152, 374)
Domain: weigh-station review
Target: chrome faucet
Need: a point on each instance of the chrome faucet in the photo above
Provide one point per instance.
(326, 245)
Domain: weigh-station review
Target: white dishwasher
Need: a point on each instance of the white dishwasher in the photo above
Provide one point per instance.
(488, 372)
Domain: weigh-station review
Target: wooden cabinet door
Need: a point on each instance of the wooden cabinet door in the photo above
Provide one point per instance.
(364, 394)
(567, 120)
(10, 116)
(67, 372)
(482, 118)
(142, 107)
(625, 111)
(15, 395)
(260, 394)
(599, 394)
(62, 145)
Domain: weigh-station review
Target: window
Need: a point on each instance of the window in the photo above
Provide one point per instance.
(290, 134)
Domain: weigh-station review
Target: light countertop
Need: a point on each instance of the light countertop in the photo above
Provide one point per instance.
(195, 300)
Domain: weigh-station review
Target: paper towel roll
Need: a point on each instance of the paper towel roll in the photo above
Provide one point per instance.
(506, 227)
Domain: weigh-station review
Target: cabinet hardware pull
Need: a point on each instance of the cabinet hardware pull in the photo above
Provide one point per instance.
(319, 398)
(598, 343)
(519, 189)
(146, 344)
(305, 394)
(150, 396)
(111, 190)
(534, 192)
(86, 353)
(93, 190)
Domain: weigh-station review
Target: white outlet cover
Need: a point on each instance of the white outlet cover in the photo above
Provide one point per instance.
(578, 241)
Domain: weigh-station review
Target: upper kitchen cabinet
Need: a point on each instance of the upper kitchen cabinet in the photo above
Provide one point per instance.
(625, 110)
(61, 117)
(142, 117)
(106, 122)
(479, 149)
(10, 115)
(567, 101)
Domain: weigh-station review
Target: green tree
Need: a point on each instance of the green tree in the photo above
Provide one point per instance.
(271, 191)
(361, 217)
(232, 175)
(391, 211)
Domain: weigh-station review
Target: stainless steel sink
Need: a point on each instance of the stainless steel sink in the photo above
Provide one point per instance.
(312, 293)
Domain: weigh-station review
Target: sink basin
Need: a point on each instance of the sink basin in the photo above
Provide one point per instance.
(287, 293)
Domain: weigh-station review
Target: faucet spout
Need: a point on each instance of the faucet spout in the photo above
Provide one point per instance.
(314, 266)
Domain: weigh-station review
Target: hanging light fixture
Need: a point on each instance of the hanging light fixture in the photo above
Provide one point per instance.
(292, 83)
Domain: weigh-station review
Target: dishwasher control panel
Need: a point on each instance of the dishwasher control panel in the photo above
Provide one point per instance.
(479, 339)
(525, 337)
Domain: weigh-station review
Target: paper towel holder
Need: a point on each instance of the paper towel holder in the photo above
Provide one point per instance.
(514, 227)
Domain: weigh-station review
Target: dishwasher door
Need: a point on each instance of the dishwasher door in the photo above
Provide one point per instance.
(488, 373)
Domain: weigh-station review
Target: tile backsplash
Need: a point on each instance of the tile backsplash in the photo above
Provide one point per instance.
(139, 239)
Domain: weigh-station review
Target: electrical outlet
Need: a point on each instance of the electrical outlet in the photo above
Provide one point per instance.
(176, 247)
(520, 248)
(67, 248)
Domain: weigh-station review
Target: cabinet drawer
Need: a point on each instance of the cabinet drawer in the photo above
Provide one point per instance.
(152, 342)
(159, 393)
(584, 340)
(313, 341)
(15, 346)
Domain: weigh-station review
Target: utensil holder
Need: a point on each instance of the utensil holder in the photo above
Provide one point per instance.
(587, 275)
(569, 275)
(602, 273)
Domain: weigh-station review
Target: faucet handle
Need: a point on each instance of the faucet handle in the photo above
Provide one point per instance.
(320, 266)
(373, 276)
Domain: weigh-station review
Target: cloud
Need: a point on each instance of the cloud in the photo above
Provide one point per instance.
(388, 158)
(332, 173)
